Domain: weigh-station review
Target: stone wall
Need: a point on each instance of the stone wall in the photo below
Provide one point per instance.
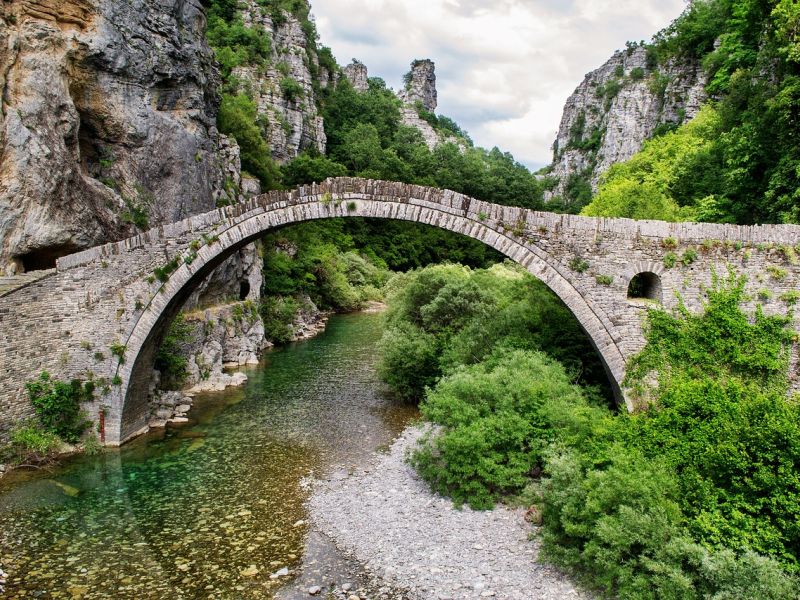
(69, 321)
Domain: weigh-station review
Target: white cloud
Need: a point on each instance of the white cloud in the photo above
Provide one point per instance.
(504, 68)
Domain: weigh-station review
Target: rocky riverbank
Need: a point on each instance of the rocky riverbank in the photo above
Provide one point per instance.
(220, 340)
(388, 520)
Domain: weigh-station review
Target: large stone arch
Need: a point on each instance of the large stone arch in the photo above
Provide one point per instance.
(99, 314)
(128, 415)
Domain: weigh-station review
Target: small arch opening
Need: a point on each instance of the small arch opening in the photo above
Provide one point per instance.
(645, 285)
(244, 289)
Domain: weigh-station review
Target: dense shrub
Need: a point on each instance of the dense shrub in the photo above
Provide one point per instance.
(409, 362)
(58, 405)
(33, 443)
(469, 312)
(238, 117)
(619, 526)
(497, 418)
(278, 313)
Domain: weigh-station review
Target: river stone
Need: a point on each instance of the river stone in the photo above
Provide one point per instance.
(280, 573)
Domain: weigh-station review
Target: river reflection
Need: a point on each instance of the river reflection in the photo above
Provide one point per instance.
(214, 508)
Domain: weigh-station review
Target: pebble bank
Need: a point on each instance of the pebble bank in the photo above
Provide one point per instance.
(388, 520)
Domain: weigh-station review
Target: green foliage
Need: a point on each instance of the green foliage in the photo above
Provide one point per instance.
(365, 135)
(291, 89)
(92, 446)
(670, 260)
(58, 405)
(233, 43)
(660, 181)
(777, 273)
(745, 168)
(30, 438)
(321, 261)
(118, 350)
(409, 360)
(688, 257)
(308, 168)
(278, 313)
(577, 192)
(637, 73)
(688, 498)
(604, 279)
(791, 297)
(163, 272)
(722, 340)
(619, 525)
(445, 316)
(497, 419)
(578, 264)
(170, 361)
(238, 118)
(136, 213)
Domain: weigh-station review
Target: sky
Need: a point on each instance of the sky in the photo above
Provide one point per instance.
(504, 68)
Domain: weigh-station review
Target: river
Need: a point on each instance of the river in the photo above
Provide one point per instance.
(214, 508)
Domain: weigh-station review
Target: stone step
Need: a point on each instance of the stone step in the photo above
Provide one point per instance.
(14, 282)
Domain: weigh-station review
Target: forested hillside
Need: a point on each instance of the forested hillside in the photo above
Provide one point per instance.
(738, 161)
(365, 138)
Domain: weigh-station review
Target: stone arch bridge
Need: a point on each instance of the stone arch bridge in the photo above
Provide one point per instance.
(101, 313)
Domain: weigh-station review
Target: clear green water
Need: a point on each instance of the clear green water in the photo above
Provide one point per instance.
(211, 509)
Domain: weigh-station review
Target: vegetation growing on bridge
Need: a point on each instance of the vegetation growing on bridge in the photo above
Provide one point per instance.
(696, 497)
(58, 419)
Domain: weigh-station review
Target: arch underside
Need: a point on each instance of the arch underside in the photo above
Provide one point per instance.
(143, 341)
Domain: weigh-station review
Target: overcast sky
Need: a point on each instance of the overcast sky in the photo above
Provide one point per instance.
(504, 67)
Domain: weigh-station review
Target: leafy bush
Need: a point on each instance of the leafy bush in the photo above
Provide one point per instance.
(468, 313)
(170, 360)
(496, 421)
(278, 314)
(604, 279)
(58, 405)
(291, 89)
(578, 264)
(409, 362)
(618, 525)
(30, 438)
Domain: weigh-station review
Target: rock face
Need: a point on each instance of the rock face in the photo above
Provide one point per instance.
(284, 90)
(616, 109)
(356, 73)
(223, 336)
(421, 85)
(108, 122)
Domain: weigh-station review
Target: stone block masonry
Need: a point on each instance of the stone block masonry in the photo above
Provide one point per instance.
(102, 314)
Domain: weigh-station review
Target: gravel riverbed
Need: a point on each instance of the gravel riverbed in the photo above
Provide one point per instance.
(386, 518)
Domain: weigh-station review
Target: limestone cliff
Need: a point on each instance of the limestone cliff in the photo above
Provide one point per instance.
(615, 109)
(284, 89)
(108, 123)
(418, 98)
(419, 95)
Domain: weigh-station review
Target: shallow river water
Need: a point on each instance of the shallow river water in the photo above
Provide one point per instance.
(211, 509)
